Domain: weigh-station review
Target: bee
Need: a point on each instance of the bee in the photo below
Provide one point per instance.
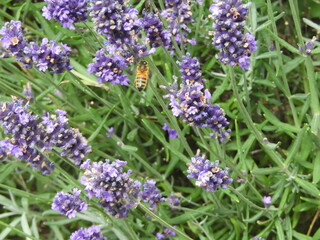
(141, 79)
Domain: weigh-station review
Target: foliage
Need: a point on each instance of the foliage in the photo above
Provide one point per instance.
(273, 149)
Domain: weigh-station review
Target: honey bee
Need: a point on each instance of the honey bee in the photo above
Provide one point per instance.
(141, 79)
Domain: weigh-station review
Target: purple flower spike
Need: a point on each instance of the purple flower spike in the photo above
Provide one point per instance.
(191, 101)
(167, 232)
(207, 174)
(91, 233)
(151, 194)
(116, 191)
(30, 140)
(108, 69)
(229, 21)
(66, 12)
(68, 204)
(257, 238)
(13, 39)
(178, 13)
(49, 55)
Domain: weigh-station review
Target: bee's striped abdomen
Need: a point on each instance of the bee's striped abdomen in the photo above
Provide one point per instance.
(141, 79)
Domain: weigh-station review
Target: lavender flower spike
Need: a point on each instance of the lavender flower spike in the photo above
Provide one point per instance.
(13, 39)
(191, 101)
(257, 238)
(234, 45)
(31, 140)
(178, 13)
(108, 69)
(91, 233)
(116, 191)
(207, 174)
(68, 204)
(66, 12)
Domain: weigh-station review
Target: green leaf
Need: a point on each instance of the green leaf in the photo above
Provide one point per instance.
(309, 187)
(316, 168)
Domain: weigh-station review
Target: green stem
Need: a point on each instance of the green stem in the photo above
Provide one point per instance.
(286, 91)
(162, 222)
(313, 87)
(130, 230)
(172, 120)
(259, 136)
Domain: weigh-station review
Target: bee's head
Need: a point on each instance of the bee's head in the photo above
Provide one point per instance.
(143, 63)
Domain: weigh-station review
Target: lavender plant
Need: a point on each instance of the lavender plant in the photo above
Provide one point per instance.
(266, 182)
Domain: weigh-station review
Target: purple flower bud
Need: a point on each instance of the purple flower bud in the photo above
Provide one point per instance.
(267, 200)
(207, 174)
(308, 46)
(13, 39)
(91, 233)
(257, 238)
(66, 12)
(116, 191)
(229, 21)
(110, 131)
(172, 133)
(68, 204)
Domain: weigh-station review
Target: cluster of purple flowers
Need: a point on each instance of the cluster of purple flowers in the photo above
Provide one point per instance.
(31, 140)
(66, 12)
(229, 20)
(113, 19)
(156, 34)
(68, 204)
(167, 232)
(116, 191)
(257, 238)
(13, 40)
(151, 194)
(49, 55)
(178, 14)
(191, 101)
(208, 174)
(91, 233)
(172, 133)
